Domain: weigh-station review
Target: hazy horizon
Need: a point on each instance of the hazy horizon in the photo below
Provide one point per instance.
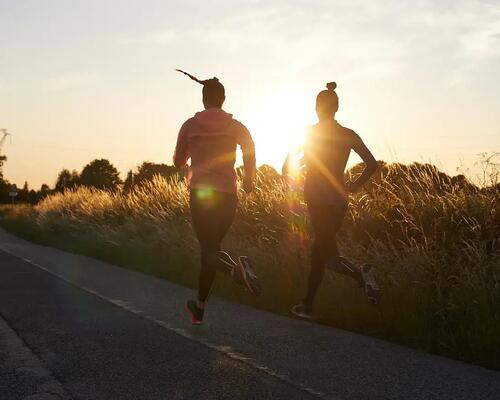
(95, 79)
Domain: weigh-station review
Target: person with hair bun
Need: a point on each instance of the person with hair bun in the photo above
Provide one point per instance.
(326, 152)
(210, 139)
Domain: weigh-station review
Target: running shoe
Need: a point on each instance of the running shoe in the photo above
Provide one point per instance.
(343, 266)
(302, 311)
(195, 313)
(225, 262)
(244, 275)
(372, 290)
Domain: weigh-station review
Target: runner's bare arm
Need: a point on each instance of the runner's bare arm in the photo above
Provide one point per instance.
(370, 163)
(247, 145)
(181, 154)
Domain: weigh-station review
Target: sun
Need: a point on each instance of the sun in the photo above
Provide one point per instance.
(278, 125)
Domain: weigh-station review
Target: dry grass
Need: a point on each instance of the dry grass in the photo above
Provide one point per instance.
(435, 241)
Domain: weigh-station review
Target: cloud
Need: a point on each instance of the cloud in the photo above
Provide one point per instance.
(293, 38)
(164, 37)
(359, 38)
(158, 37)
(69, 81)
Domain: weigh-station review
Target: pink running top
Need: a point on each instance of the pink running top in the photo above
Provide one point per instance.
(210, 139)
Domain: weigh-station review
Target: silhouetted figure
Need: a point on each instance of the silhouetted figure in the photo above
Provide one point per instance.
(326, 151)
(210, 139)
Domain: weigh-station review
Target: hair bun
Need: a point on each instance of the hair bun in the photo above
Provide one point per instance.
(331, 86)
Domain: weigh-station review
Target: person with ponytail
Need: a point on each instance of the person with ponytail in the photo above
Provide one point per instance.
(326, 152)
(210, 139)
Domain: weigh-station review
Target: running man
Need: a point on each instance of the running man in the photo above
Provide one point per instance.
(210, 139)
(326, 152)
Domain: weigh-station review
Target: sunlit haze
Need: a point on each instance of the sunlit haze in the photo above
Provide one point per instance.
(95, 79)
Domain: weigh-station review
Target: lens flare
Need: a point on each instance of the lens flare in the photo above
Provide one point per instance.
(279, 124)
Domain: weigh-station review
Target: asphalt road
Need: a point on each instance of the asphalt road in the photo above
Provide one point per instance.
(76, 328)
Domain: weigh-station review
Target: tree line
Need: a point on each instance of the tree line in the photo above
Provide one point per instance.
(99, 174)
(102, 174)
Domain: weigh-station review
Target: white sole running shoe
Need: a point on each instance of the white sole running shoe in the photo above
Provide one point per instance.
(343, 266)
(243, 274)
(302, 311)
(226, 262)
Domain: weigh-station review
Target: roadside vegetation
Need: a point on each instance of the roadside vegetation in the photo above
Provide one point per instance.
(433, 238)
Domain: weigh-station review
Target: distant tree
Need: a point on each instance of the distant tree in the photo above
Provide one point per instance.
(147, 170)
(42, 193)
(2, 160)
(129, 181)
(4, 190)
(4, 185)
(67, 180)
(100, 174)
(44, 189)
(33, 197)
(23, 194)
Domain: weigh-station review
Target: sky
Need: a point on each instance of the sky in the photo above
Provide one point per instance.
(79, 80)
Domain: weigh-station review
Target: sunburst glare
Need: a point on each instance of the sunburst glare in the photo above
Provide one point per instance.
(278, 125)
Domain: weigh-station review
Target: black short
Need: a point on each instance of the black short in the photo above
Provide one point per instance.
(326, 220)
(212, 213)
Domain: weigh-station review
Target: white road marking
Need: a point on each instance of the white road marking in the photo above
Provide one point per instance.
(224, 350)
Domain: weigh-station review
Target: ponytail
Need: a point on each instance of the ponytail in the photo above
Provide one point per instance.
(214, 93)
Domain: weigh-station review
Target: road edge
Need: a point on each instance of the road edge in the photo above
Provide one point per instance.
(22, 360)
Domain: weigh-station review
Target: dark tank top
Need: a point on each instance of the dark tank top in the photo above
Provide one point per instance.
(326, 152)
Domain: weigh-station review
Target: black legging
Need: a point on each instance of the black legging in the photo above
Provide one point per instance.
(326, 221)
(212, 214)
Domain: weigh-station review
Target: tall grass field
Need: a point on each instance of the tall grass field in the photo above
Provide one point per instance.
(433, 239)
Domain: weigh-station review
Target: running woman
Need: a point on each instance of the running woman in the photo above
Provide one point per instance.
(326, 152)
(210, 139)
